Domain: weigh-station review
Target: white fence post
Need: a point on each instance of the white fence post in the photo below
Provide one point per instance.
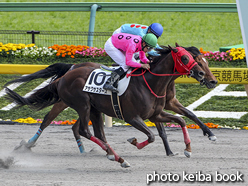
(108, 121)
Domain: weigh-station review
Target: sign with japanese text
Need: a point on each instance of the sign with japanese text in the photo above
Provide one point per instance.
(223, 76)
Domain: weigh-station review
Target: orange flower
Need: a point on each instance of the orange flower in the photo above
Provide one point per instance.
(211, 125)
(68, 50)
(192, 126)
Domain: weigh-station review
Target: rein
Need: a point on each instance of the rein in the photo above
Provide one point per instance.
(178, 65)
(144, 71)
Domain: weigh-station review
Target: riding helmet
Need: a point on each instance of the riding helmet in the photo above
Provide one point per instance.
(150, 40)
(156, 29)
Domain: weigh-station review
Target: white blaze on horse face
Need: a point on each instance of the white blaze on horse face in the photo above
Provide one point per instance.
(204, 60)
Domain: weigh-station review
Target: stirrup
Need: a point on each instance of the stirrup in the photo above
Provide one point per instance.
(107, 86)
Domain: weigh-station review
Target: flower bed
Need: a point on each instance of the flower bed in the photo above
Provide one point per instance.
(61, 51)
(235, 54)
(30, 120)
(31, 51)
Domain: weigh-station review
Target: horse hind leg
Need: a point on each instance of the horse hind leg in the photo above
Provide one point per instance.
(50, 116)
(85, 132)
(97, 123)
(75, 129)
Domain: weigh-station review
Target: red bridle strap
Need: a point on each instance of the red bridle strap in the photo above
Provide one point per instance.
(142, 74)
(181, 68)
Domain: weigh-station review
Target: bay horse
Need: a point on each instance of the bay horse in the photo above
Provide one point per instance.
(59, 69)
(149, 86)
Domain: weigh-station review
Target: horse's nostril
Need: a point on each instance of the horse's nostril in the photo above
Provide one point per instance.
(201, 73)
(213, 82)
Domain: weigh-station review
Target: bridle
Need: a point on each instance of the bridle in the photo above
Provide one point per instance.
(178, 62)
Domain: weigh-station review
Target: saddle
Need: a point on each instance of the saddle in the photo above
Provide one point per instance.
(97, 79)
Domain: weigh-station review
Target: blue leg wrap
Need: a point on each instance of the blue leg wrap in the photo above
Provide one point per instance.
(80, 146)
(35, 137)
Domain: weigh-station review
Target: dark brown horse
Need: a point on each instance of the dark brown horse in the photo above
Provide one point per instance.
(59, 69)
(144, 98)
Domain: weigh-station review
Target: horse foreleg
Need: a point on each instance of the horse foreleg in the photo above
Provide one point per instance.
(187, 151)
(139, 124)
(167, 117)
(177, 107)
(162, 134)
(109, 150)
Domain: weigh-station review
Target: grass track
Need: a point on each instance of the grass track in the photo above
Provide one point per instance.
(207, 30)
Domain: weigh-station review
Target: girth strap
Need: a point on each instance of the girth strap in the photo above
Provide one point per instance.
(116, 105)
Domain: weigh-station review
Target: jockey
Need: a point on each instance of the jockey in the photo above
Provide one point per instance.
(141, 30)
(121, 47)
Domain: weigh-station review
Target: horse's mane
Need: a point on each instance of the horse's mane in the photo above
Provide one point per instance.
(163, 51)
(193, 50)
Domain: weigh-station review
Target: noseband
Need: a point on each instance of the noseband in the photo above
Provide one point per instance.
(179, 65)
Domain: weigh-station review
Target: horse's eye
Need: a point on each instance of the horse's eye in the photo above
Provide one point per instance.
(185, 59)
(200, 64)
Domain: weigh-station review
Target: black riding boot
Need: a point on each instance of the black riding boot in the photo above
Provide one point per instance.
(115, 75)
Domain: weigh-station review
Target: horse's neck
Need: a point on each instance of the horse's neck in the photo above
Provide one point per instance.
(161, 75)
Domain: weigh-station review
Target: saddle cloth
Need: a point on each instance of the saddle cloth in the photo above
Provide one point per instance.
(97, 79)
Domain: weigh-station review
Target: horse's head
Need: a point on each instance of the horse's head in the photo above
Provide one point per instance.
(184, 63)
(209, 79)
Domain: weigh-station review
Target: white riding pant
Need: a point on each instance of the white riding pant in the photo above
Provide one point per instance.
(118, 56)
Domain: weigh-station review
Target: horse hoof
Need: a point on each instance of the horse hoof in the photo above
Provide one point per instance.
(131, 140)
(187, 153)
(173, 154)
(30, 145)
(111, 157)
(212, 138)
(125, 164)
(22, 143)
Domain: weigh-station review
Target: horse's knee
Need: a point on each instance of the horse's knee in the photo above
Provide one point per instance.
(181, 122)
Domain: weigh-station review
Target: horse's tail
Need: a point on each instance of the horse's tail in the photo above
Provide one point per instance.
(55, 71)
(42, 98)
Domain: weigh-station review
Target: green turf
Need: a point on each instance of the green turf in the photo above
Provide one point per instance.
(225, 103)
(201, 29)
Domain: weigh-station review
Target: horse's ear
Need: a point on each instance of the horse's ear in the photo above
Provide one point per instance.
(173, 49)
(177, 45)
